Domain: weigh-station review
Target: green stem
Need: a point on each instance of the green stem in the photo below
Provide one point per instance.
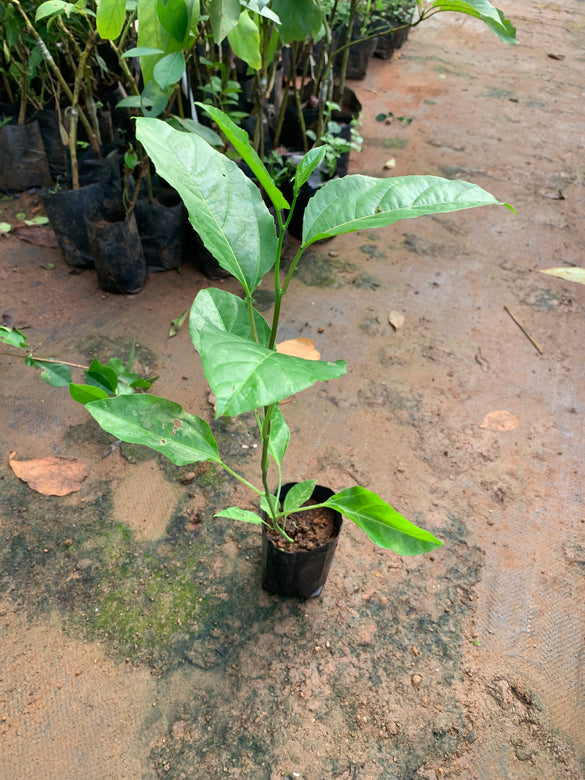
(241, 479)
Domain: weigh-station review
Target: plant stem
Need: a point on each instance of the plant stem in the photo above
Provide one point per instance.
(241, 479)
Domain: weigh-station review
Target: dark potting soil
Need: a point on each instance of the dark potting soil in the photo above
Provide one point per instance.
(310, 530)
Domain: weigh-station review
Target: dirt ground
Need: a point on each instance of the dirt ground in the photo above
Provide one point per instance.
(135, 639)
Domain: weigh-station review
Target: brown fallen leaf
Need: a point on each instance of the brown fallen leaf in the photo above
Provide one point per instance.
(396, 319)
(500, 420)
(40, 236)
(301, 347)
(50, 476)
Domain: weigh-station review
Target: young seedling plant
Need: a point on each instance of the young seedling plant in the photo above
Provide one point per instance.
(236, 343)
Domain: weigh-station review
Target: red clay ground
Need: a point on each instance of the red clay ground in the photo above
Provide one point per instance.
(136, 641)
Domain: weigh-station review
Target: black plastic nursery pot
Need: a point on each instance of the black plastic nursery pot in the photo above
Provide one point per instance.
(162, 227)
(23, 160)
(298, 574)
(115, 243)
(66, 210)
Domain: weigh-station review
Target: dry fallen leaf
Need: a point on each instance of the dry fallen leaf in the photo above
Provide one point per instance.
(301, 347)
(396, 319)
(500, 421)
(51, 476)
(570, 274)
(391, 163)
(41, 236)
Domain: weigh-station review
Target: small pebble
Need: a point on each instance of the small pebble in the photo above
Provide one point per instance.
(416, 680)
(333, 253)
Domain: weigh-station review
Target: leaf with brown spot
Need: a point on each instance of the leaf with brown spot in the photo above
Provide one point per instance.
(500, 420)
(50, 476)
(301, 347)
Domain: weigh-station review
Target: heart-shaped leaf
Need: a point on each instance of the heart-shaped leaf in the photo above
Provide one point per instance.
(245, 375)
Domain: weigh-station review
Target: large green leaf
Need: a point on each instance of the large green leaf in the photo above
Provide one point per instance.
(162, 425)
(110, 18)
(245, 375)
(239, 139)
(225, 311)
(361, 202)
(299, 19)
(484, 10)
(245, 41)
(174, 17)
(224, 206)
(384, 525)
(223, 16)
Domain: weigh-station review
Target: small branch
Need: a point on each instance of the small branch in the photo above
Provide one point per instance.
(524, 331)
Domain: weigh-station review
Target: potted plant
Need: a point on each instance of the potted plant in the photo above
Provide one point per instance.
(238, 347)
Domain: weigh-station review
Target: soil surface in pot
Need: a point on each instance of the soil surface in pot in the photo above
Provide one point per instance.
(310, 530)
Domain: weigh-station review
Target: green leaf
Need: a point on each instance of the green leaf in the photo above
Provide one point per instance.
(261, 7)
(235, 513)
(245, 375)
(177, 324)
(245, 41)
(224, 206)
(299, 19)
(307, 165)
(239, 139)
(54, 374)
(154, 99)
(5, 227)
(169, 69)
(102, 376)
(384, 525)
(174, 17)
(159, 424)
(50, 8)
(190, 126)
(83, 394)
(361, 202)
(227, 312)
(110, 18)
(279, 436)
(13, 336)
(223, 16)
(152, 35)
(568, 274)
(298, 494)
(481, 9)
(141, 51)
